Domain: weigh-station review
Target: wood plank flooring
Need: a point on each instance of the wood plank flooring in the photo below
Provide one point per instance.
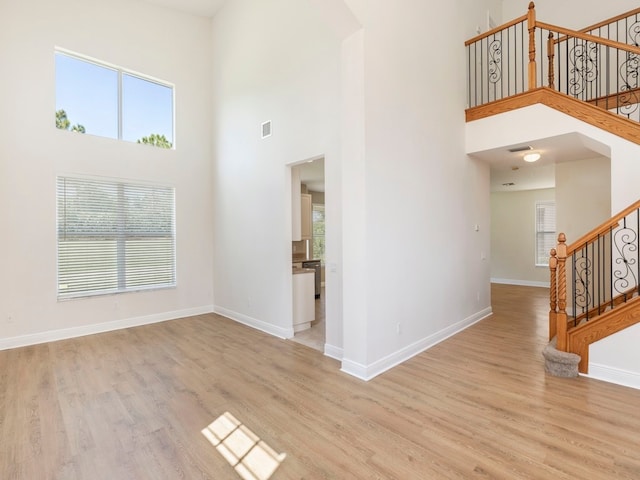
(131, 404)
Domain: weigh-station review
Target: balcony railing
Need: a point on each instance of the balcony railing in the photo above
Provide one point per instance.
(525, 54)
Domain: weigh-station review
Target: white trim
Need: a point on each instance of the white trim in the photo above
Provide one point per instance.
(367, 372)
(255, 323)
(66, 333)
(523, 283)
(614, 375)
(333, 352)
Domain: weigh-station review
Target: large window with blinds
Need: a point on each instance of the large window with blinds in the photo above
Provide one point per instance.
(545, 231)
(114, 237)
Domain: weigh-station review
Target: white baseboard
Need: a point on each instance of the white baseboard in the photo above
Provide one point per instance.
(66, 333)
(614, 375)
(523, 283)
(333, 351)
(367, 372)
(255, 323)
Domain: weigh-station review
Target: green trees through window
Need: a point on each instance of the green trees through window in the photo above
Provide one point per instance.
(114, 237)
(318, 232)
(111, 102)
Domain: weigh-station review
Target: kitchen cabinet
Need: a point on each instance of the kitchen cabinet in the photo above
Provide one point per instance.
(306, 221)
(303, 299)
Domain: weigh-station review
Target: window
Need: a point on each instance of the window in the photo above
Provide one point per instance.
(318, 231)
(114, 237)
(108, 101)
(545, 231)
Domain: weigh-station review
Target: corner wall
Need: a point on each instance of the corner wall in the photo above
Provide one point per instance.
(616, 357)
(513, 237)
(137, 36)
(414, 272)
(279, 61)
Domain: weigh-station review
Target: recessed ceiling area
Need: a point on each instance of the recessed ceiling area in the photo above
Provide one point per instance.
(509, 171)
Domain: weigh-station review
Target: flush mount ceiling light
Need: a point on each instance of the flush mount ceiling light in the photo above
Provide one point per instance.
(531, 157)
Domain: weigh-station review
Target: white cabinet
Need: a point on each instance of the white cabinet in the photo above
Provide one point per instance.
(305, 217)
(304, 307)
(301, 220)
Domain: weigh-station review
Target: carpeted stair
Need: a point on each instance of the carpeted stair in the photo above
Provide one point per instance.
(560, 364)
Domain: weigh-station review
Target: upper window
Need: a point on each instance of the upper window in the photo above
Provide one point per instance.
(111, 102)
(114, 237)
(545, 231)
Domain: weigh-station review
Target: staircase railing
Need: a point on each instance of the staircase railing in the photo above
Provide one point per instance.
(592, 278)
(525, 54)
(624, 28)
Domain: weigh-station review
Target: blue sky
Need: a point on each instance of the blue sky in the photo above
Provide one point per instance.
(89, 94)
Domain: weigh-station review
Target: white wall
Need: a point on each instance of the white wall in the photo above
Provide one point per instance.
(387, 113)
(277, 60)
(513, 237)
(412, 259)
(137, 36)
(583, 196)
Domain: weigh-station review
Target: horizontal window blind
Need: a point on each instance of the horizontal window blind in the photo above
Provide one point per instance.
(545, 231)
(114, 237)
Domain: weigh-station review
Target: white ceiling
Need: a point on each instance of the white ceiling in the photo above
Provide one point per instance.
(508, 167)
(203, 8)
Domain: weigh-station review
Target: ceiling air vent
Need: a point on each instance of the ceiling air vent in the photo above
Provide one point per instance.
(266, 129)
(524, 148)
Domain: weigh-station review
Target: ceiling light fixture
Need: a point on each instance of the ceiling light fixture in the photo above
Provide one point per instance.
(531, 157)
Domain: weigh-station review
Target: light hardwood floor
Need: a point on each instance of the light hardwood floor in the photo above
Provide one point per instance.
(131, 405)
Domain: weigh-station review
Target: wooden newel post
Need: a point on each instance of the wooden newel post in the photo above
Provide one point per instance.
(551, 44)
(553, 294)
(531, 25)
(561, 315)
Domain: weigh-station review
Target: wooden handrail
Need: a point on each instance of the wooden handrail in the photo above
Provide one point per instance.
(495, 30)
(604, 227)
(588, 37)
(615, 19)
(625, 311)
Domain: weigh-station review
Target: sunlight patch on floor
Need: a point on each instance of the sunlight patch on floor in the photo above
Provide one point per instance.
(252, 458)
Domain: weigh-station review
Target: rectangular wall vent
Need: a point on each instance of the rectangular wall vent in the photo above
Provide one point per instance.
(520, 149)
(266, 129)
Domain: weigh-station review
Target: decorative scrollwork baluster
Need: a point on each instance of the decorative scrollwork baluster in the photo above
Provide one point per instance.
(628, 98)
(495, 61)
(583, 269)
(625, 241)
(584, 67)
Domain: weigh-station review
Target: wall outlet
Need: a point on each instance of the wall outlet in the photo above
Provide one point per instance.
(399, 328)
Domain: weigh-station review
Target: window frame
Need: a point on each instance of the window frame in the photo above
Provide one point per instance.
(119, 234)
(324, 236)
(539, 233)
(121, 71)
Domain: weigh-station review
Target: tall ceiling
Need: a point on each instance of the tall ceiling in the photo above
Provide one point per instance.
(508, 171)
(203, 8)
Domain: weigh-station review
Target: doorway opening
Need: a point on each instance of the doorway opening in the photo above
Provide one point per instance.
(309, 251)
